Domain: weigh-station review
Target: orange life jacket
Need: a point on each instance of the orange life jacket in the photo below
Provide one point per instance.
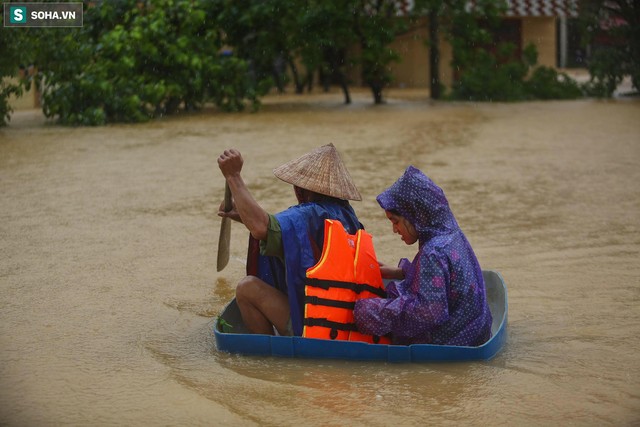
(347, 271)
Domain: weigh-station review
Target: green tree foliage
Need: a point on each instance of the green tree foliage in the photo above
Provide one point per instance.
(376, 26)
(325, 34)
(321, 33)
(547, 83)
(439, 13)
(6, 90)
(486, 68)
(133, 60)
(612, 29)
(10, 46)
(489, 69)
(261, 33)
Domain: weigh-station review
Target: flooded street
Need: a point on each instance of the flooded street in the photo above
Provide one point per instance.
(109, 290)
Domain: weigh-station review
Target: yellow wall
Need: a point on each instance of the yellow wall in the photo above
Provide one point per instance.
(413, 70)
(29, 99)
(542, 33)
(446, 56)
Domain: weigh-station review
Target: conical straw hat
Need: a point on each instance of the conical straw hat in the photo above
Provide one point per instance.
(321, 171)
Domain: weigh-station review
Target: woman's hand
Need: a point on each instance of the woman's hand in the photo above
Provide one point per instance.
(389, 272)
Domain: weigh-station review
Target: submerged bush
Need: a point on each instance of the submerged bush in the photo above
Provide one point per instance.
(503, 77)
(6, 90)
(547, 83)
(607, 71)
(489, 80)
(134, 61)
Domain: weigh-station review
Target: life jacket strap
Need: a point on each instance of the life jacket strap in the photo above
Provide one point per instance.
(316, 321)
(329, 302)
(355, 287)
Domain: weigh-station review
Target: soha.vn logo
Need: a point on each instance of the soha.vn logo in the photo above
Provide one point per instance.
(18, 15)
(39, 14)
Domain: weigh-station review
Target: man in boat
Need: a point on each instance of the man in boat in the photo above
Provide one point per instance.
(272, 294)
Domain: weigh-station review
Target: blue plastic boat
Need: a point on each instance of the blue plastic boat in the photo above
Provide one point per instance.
(232, 336)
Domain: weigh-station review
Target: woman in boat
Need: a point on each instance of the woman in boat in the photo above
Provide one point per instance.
(272, 294)
(440, 297)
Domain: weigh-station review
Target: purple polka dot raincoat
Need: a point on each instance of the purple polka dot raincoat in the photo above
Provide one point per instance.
(442, 299)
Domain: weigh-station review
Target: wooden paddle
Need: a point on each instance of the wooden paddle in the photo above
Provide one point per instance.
(225, 231)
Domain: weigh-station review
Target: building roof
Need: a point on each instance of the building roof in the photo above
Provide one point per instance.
(516, 8)
(523, 8)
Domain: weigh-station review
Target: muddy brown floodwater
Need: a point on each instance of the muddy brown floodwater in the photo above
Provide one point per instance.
(108, 285)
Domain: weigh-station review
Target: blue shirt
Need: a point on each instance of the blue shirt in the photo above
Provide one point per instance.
(302, 230)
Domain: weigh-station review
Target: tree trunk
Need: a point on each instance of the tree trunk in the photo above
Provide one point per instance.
(334, 60)
(296, 78)
(344, 86)
(309, 80)
(434, 56)
(376, 89)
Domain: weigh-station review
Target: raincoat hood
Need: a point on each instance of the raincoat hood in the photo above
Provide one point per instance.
(442, 298)
(419, 200)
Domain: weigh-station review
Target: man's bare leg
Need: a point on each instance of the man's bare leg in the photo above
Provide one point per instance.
(262, 306)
